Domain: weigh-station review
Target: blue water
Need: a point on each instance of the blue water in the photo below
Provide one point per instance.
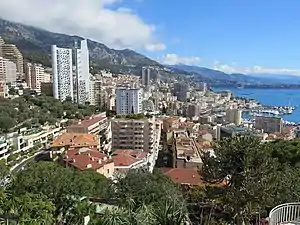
(271, 97)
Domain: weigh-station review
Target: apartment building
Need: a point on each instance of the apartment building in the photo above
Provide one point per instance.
(83, 73)
(35, 75)
(128, 100)
(86, 158)
(269, 124)
(125, 160)
(234, 116)
(97, 125)
(137, 134)
(62, 73)
(12, 53)
(186, 153)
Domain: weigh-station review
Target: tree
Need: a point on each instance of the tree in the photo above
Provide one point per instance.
(154, 190)
(63, 185)
(248, 173)
(30, 208)
(6, 123)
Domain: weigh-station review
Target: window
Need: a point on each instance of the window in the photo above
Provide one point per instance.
(108, 171)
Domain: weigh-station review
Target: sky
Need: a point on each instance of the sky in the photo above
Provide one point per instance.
(234, 36)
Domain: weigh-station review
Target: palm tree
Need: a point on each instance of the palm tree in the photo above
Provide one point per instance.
(168, 214)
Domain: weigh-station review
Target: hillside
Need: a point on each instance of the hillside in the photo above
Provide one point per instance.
(219, 78)
(36, 43)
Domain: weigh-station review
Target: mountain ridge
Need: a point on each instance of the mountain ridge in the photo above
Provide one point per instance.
(35, 44)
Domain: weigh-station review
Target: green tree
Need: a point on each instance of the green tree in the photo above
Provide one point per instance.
(63, 185)
(249, 172)
(30, 208)
(6, 123)
(153, 190)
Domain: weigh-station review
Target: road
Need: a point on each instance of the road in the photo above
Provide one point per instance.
(26, 162)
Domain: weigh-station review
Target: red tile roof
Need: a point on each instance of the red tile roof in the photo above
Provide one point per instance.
(127, 157)
(184, 176)
(89, 122)
(75, 140)
(86, 158)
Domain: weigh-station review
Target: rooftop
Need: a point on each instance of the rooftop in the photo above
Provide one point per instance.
(75, 140)
(128, 157)
(184, 176)
(89, 122)
(86, 158)
(186, 148)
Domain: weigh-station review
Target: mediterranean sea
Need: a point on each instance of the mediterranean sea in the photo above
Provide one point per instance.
(271, 97)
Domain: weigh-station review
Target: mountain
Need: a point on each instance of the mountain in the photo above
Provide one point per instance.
(36, 43)
(216, 77)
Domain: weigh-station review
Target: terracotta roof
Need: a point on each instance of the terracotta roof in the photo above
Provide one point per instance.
(184, 176)
(86, 158)
(127, 157)
(75, 140)
(203, 132)
(171, 119)
(89, 122)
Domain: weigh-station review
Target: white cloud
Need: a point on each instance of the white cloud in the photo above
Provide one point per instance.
(156, 47)
(254, 70)
(93, 19)
(173, 59)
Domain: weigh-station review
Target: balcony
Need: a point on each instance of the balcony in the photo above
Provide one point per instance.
(288, 214)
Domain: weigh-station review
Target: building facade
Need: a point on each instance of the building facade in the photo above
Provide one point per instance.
(62, 73)
(35, 75)
(12, 53)
(128, 101)
(146, 72)
(269, 124)
(83, 73)
(234, 116)
(137, 134)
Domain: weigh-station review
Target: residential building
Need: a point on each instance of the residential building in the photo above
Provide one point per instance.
(234, 116)
(2, 42)
(86, 158)
(92, 125)
(181, 90)
(129, 159)
(170, 123)
(83, 73)
(184, 176)
(12, 53)
(128, 101)
(186, 153)
(73, 141)
(146, 72)
(62, 73)
(268, 124)
(35, 75)
(137, 134)
(3, 72)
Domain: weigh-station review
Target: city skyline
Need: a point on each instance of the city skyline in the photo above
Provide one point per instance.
(230, 36)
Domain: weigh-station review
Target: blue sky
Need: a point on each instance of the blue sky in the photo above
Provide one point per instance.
(236, 33)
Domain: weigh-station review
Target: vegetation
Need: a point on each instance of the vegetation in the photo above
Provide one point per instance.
(249, 179)
(29, 111)
(66, 195)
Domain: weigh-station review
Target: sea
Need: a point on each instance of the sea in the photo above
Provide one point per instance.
(271, 97)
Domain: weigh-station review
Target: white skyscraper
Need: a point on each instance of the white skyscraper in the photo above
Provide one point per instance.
(128, 101)
(83, 72)
(146, 76)
(62, 73)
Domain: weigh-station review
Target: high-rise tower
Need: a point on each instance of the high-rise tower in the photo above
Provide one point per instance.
(62, 73)
(82, 72)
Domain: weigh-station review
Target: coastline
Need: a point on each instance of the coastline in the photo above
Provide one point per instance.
(270, 97)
